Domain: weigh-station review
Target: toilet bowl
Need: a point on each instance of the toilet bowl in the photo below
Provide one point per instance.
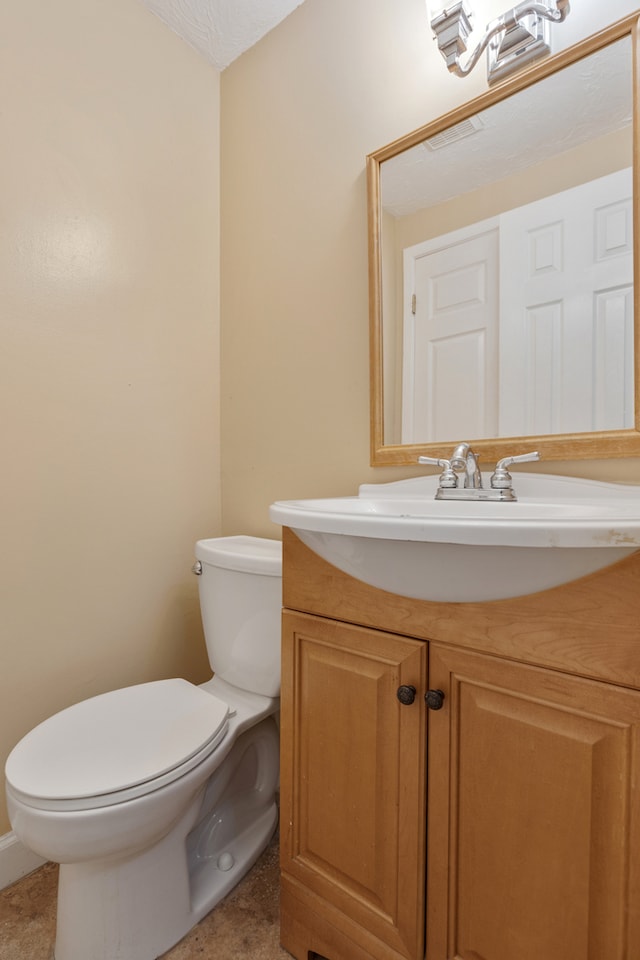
(156, 799)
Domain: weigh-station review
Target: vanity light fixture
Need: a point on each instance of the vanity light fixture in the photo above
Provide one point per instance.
(511, 40)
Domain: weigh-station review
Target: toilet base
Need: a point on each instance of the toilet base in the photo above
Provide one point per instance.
(138, 908)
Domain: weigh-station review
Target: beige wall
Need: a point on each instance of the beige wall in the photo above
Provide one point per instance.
(300, 111)
(109, 352)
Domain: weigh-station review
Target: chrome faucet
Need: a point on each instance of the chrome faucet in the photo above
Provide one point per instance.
(463, 459)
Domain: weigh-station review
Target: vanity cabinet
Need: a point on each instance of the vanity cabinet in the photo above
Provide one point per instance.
(531, 797)
(502, 825)
(354, 777)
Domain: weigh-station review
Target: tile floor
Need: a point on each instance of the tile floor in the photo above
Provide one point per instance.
(245, 926)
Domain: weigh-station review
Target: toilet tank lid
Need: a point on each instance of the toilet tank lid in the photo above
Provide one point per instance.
(243, 553)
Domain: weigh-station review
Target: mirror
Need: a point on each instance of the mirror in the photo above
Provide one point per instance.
(504, 310)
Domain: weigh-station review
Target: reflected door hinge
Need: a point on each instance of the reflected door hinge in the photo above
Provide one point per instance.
(413, 304)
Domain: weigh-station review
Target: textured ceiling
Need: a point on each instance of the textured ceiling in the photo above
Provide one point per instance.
(221, 29)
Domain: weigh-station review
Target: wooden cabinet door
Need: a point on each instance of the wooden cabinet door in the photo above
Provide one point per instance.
(353, 781)
(534, 843)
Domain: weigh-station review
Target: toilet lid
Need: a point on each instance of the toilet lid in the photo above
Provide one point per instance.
(117, 741)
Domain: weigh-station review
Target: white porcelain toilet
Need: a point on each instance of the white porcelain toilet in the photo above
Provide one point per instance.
(156, 799)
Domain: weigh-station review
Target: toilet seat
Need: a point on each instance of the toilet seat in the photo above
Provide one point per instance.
(117, 746)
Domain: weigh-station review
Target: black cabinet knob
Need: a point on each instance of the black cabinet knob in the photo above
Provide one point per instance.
(406, 693)
(434, 699)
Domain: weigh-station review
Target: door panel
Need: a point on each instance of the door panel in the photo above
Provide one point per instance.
(450, 351)
(566, 311)
(532, 819)
(353, 775)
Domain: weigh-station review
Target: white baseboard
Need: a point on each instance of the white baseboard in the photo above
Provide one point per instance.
(15, 860)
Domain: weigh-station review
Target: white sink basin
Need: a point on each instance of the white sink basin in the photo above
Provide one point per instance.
(395, 536)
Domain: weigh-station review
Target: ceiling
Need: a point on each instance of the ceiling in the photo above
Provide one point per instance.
(575, 105)
(221, 29)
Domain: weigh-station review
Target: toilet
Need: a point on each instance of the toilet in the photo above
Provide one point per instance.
(157, 798)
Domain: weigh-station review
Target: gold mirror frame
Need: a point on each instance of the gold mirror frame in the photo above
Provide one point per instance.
(597, 445)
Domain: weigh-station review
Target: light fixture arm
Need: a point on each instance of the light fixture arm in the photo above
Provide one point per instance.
(443, 27)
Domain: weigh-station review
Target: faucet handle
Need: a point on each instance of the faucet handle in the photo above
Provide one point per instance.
(447, 477)
(501, 478)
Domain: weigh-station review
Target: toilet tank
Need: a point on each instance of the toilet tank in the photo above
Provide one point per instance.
(240, 601)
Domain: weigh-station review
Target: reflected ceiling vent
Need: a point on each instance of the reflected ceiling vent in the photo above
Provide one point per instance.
(460, 131)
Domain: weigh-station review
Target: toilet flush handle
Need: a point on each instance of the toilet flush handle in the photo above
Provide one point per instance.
(197, 568)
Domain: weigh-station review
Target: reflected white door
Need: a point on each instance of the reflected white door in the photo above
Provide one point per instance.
(566, 307)
(450, 349)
